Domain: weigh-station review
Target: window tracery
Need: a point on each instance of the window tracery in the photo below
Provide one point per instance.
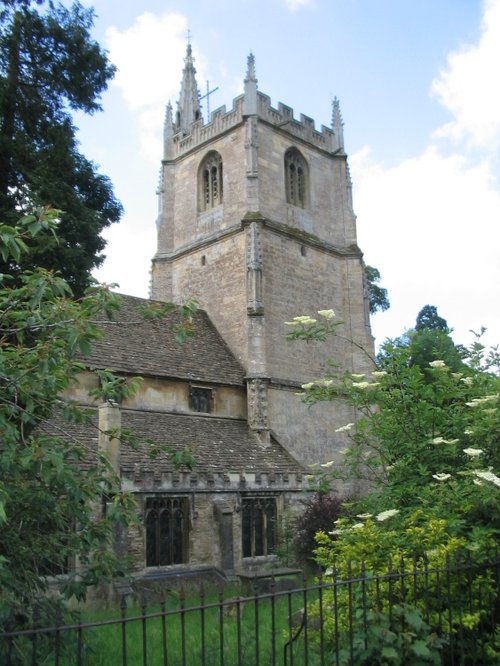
(166, 524)
(296, 184)
(210, 185)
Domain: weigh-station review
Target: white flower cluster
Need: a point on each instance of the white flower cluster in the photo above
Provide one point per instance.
(438, 365)
(301, 320)
(477, 402)
(326, 314)
(488, 476)
(384, 515)
(473, 453)
(364, 385)
(442, 440)
(345, 427)
(441, 476)
(328, 464)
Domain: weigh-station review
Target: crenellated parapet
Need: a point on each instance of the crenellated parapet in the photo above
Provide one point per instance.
(181, 138)
(304, 129)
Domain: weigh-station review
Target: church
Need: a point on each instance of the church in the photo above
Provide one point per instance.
(256, 223)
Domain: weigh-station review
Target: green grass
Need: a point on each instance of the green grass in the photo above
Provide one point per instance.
(243, 633)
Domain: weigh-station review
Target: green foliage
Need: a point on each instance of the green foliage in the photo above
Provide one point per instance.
(428, 319)
(50, 67)
(42, 331)
(426, 442)
(377, 296)
(53, 486)
(401, 639)
(318, 515)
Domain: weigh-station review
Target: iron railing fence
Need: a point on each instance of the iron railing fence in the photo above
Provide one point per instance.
(409, 615)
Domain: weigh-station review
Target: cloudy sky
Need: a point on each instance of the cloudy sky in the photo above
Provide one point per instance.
(419, 90)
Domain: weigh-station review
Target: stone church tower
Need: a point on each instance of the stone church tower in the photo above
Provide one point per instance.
(256, 222)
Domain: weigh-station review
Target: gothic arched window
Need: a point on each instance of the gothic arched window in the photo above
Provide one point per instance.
(166, 525)
(210, 181)
(295, 178)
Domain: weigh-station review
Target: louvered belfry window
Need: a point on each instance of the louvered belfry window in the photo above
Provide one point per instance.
(210, 181)
(296, 184)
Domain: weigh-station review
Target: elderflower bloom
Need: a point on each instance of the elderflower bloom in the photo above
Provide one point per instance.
(438, 364)
(327, 314)
(476, 402)
(468, 432)
(325, 382)
(357, 376)
(441, 477)
(364, 516)
(357, 526)
(488, 476)
(379, 373)
(308, 386)
(361, 385)
(442, 440)
(328, 464)
(305, 320)
(473, 453)
(345, 427)
(468, 381)
(384, 515)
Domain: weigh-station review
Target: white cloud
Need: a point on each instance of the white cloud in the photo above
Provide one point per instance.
(434, 234)
(149, 57)
(294, 5)
(469, 88)
(431, 223)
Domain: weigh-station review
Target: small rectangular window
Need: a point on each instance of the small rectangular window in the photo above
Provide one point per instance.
(200, 399)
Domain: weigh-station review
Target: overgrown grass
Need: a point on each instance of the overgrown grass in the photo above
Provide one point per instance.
(223, 629)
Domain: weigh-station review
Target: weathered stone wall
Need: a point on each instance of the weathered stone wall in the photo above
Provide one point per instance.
(205, 548)
(327, 211)
(162, 395)
(215, 274)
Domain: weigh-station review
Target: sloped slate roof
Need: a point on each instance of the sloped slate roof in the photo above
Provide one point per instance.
(218, 445)
(135, 345)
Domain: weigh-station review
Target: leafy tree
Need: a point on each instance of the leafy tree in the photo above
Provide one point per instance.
(431, 340)
(52, 486)
(428, 319)
(47, 503)
(377, 296)
(427, 443)
(320, 511)
(50, 67)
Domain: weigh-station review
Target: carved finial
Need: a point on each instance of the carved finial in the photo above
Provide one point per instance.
(168, 131)
(250, 103)
(251, 68)
(337, 123)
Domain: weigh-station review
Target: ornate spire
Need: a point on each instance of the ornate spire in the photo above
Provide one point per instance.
(338, 123)
(250, 103)
(188, 106)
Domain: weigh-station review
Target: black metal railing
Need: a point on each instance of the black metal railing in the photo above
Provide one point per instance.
(409, 615)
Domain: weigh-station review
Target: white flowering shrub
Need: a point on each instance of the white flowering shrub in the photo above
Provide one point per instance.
(428, 441)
